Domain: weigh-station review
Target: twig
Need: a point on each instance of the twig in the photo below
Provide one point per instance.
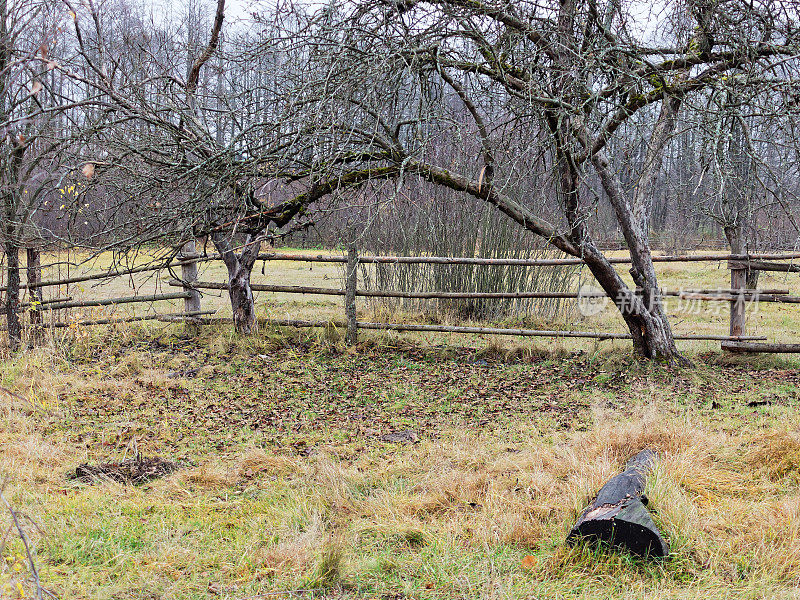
(24, 539)
(281, 593)
(14, 394)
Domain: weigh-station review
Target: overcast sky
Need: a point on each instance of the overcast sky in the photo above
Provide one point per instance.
(646, 18)
(235, 10)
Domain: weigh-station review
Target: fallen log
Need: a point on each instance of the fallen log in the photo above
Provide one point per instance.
(618, 515)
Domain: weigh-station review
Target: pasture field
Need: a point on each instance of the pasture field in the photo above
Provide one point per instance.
(290, 484)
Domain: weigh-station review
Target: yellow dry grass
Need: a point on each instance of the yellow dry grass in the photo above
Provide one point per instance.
(452, 517)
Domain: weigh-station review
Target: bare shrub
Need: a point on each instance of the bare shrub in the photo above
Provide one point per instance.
(453, 226)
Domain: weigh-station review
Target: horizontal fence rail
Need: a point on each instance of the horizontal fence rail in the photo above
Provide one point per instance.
(730, 295)
(169, 318)
(39, 303)
(749, 347)
(757, 265)
(483, 330)
(114, 301)
(525, 262)
(736, 296)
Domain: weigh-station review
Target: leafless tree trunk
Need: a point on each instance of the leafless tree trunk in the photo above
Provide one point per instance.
(12, 295)
(33, 147)
(34, 277)
(239, 266)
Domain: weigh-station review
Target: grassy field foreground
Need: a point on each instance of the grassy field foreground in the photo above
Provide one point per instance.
(289, 487)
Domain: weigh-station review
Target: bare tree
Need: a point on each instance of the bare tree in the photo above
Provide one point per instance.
(187, 150)
(571, 74)
(558, 114)
(35, 131)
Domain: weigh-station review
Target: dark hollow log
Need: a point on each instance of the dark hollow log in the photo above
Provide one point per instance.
(618, 515)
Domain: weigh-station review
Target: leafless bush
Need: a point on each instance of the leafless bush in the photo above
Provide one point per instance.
(456, 226)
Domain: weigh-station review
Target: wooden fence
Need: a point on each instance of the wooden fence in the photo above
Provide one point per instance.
(736, 297)
(191, 291)
(37, 306)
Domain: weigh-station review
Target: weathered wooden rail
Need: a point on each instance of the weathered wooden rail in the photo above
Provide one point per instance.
(524, 262)
(114, 301)
(167, 318)
(554, 333)
(769, 295)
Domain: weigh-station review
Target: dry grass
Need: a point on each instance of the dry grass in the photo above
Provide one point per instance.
(452, 517)
(255, 462)
(472, 511)
(777, 453)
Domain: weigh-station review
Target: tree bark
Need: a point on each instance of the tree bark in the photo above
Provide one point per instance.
(736, 214)
(244, 313)
(240, 267)
(644, 315)
(189, 272)
(12, 297)
(34, 276)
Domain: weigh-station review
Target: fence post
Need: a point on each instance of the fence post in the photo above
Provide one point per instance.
(191, 304)
(738, 284)
(351, 282)
(33, 272)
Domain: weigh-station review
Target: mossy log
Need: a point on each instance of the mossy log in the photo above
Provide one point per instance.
(618, 515)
